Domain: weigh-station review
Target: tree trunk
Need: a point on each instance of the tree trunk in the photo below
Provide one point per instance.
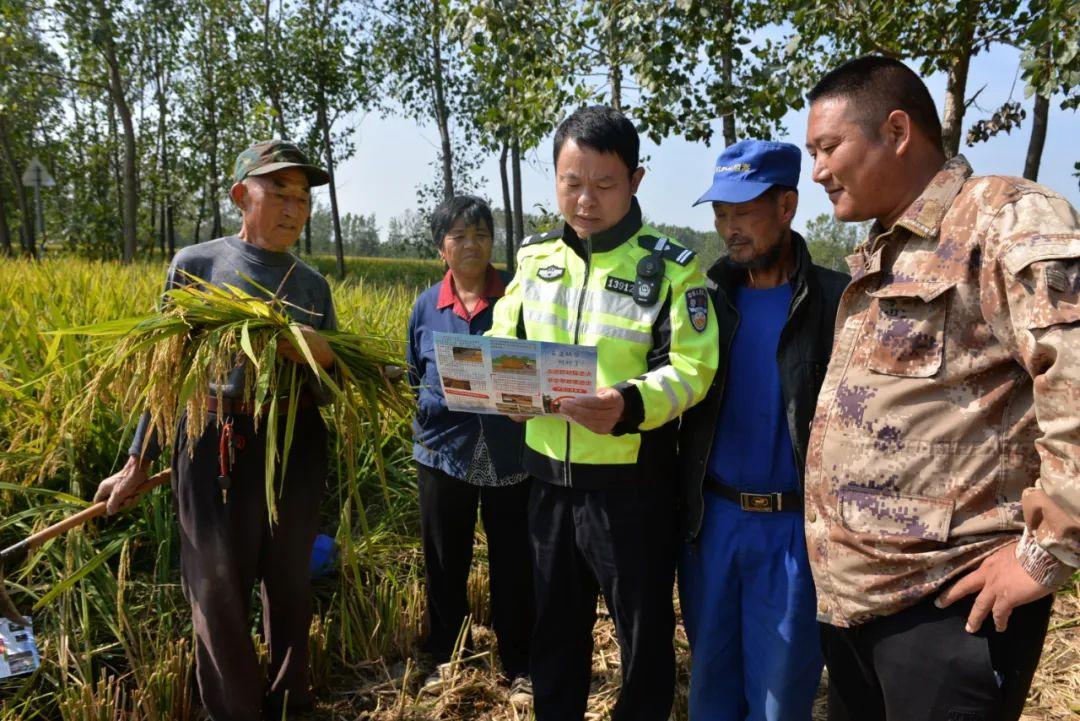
(166, 239)
(519, 215)
(116, 90)
(159, 220)
(115, 162)
(614, 59)
(215, 204)
(270, 64)
(208, 52)
(952, 121)
(158, 208)
(5, 232)
(199, 217)
(77, 196)
(307, 237)
(726, 72)
(508, 212)
(615, 78)
(442, 114)
(324, 122)
(26, 217)
(212, 129)
(1040, 116)
(170, 229)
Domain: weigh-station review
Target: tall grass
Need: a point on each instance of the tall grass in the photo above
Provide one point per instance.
(113, 626)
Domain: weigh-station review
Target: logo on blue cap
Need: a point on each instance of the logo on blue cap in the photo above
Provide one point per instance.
(748, 168)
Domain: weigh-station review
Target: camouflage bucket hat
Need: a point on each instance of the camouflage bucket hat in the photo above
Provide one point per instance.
(269, 156)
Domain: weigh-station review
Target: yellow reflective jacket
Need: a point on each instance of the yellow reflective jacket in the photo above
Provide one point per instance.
(661, 357)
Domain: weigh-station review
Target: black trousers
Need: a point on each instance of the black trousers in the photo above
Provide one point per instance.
(620, 542)
(226, 546)
(447, 523)
(921, 665)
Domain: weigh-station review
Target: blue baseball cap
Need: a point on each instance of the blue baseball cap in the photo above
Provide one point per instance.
(748, 168)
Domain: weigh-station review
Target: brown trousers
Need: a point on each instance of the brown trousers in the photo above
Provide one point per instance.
(225, 545)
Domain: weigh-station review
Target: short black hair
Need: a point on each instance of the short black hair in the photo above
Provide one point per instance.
(602, 129)
(876, 86)
(469, 208)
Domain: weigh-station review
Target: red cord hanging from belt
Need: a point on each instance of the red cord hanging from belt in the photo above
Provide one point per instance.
(226, 457)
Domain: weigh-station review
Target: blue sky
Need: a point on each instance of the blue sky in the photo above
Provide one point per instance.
(394, 155)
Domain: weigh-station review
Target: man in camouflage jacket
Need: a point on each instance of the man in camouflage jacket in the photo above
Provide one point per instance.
(943, 470)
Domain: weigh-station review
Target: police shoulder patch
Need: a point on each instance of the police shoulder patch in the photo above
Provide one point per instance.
(550, 272)
(542, 237)
(668, 248)
(697, 307)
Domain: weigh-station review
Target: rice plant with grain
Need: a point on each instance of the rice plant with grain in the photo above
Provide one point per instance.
(112, 625)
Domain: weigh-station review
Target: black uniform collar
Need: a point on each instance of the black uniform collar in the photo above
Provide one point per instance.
(728, 276)
(608, 239)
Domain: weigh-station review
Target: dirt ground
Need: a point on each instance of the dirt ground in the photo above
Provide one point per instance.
(474, 690)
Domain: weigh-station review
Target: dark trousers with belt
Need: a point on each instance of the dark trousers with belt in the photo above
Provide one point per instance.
(620, 542)
(447, 523)
(225, 545)
(921, 665)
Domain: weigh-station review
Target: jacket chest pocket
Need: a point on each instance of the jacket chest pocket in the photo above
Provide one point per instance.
(908, 333)
(884, 513)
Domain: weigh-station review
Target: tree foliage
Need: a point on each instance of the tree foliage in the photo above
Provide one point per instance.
(831, 241)
(138, 107)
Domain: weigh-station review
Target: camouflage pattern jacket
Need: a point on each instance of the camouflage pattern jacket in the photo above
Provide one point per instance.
(948, 424)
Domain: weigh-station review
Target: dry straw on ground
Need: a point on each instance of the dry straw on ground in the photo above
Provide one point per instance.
(475, 691)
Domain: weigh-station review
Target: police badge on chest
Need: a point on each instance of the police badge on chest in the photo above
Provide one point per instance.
(550, 272)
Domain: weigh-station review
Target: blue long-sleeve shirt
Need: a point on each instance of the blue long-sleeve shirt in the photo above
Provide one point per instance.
(752, 448)
(446, 439)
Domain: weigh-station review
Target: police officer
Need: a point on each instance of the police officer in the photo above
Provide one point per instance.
(745, 587)
(601, 513)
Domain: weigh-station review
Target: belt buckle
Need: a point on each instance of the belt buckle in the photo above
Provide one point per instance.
(756, 502)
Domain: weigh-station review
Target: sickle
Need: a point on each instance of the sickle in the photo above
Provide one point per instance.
(22, 549)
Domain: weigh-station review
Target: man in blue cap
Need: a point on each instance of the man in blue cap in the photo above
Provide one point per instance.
(745, 587)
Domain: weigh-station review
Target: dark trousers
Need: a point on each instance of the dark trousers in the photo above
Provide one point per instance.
(226, 545)
(447, 524)
(620, 542)
(921, 665)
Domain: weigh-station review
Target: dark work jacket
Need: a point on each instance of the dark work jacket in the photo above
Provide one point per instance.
(802, 354)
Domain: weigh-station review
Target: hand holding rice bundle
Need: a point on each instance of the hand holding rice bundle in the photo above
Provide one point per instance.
(208, 336)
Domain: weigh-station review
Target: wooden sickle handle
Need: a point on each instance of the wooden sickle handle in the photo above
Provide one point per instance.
(98, 509)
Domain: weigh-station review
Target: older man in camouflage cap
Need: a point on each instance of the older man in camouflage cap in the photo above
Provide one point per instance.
(226, 541)
(943, 472)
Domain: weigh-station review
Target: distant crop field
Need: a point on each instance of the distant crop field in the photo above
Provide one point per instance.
(409, 272)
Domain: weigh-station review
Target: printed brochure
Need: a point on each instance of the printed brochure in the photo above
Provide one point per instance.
(508, 376)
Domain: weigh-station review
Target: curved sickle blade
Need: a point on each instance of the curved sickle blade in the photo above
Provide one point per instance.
(7, 608)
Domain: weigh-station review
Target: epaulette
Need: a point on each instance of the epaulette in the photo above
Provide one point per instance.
(670, 249)
(542, 237)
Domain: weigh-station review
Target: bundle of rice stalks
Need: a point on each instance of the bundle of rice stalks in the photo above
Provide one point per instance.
(166, 363)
